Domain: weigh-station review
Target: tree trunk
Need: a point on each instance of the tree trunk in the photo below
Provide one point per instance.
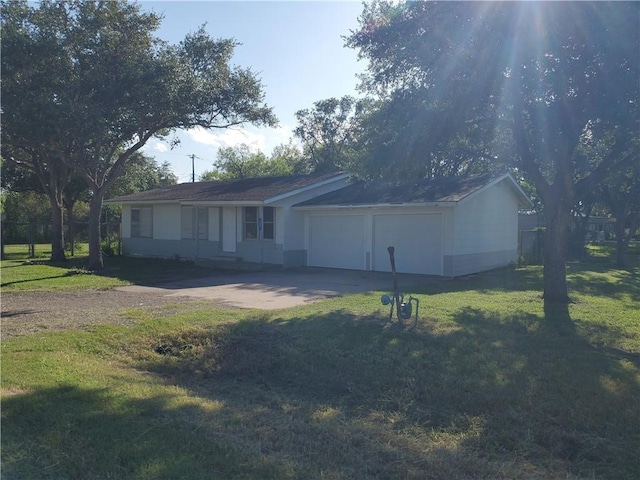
(95, 249)
(57, 227)
(70, 221)
(621, 253)
(555, 256)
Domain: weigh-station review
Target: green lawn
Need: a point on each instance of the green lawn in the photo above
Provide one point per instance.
(18, 273)
(486, 385)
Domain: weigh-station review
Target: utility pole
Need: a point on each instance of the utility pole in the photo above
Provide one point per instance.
(193, 167)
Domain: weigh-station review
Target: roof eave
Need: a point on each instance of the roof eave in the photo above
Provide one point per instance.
(523, 200)
(211, 203)
(376, 205)
(115, 201)
(282, 196)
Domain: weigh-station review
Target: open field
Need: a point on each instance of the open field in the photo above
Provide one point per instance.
(486, 385)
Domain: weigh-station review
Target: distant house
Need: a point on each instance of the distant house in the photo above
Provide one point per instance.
(448, 228)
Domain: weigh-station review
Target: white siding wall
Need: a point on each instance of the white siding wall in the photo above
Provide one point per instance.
(486, 222)
(126, 221)
(292, 226)
(166, 222)
(280, 222)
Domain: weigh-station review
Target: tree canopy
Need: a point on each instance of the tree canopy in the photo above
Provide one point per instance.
(86, 85)
(329, 132)
(243, 162)
(526, 84)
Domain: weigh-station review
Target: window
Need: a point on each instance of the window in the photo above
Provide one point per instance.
(141, 225)
(250, 223)
(268, 223)
(259, 227)
(188, 223)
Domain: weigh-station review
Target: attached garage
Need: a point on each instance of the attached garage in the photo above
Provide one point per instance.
(417, 240)
(336, 241)
(359, 241)
(445, 227)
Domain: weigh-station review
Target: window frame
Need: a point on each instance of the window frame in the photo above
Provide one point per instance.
(138, 228)
(259, 224)
(250, 223)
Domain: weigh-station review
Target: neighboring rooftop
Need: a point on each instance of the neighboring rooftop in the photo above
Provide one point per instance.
(244, 189)
(451, 189)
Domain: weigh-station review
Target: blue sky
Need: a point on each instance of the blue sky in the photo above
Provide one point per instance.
(296, 49)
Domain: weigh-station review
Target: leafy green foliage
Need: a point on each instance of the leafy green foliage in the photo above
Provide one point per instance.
(143, 173)
(103, 86)
(531, 85)
(243, 162)
(329, 132)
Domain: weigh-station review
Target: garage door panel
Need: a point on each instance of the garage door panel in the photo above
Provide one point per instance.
(337, 241)
(417, 239)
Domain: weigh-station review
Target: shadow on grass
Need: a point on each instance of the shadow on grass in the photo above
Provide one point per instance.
(140, 271)
(92, 433)
(500, 280)
(29, 280)
(340, 396)
(513, 394)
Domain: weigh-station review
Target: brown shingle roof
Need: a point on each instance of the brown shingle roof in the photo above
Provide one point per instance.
(451, 189)
(246, 189)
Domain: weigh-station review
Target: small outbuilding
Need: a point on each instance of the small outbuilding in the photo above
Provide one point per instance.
(446, 227)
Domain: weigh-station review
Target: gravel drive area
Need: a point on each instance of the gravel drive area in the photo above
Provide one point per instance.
(24, 313)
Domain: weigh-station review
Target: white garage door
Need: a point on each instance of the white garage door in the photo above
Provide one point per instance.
(417, 240)
(336, 241)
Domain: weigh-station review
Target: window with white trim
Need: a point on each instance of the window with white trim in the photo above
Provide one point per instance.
(259, 223)
(141, 222)
(250, 225)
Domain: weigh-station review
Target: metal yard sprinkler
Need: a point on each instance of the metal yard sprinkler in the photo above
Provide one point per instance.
(406, 308)
(403, 309)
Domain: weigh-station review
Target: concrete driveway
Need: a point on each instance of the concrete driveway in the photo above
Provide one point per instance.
(278, 289)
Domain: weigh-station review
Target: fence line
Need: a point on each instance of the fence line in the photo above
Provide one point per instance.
(32, 233)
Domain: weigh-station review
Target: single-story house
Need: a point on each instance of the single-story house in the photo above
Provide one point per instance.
(448, 228)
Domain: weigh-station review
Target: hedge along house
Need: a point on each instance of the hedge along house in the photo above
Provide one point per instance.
(447, 227)
(248, 220)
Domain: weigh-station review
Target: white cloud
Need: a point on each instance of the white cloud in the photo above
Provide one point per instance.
(156, 146)
(263, 139)
(161, 147)
(228, 137)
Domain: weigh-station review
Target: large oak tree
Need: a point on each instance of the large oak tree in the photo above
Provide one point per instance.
(541, 79)
(111, 86)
